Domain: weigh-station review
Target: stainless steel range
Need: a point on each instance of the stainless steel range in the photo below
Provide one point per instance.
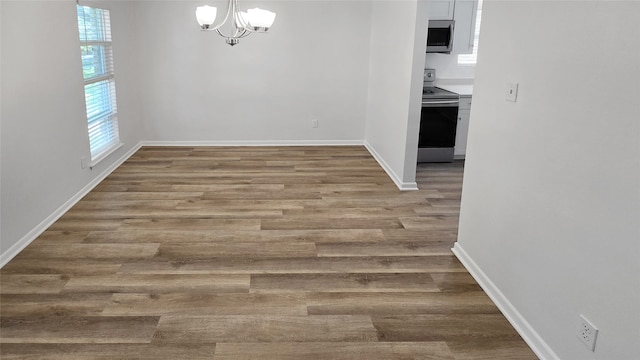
(438, 122)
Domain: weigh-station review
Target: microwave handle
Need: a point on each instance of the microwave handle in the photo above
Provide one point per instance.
(450, 48)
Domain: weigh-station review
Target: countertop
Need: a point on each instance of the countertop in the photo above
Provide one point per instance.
(462, 90)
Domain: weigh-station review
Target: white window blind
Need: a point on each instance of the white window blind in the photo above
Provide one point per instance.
(99, 86)
(470, 59)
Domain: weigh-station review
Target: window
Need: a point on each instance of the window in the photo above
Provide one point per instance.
(470, 59)
(99, 85)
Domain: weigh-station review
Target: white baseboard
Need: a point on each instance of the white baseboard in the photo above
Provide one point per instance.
(254, 143)
(14, 250)
(404, 186)
(522, 326)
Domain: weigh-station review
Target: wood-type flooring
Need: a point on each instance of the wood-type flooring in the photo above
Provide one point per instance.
(253, 253)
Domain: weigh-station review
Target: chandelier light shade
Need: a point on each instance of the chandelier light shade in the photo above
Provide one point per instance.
(259, 19)
(206, 16)
(244, 23)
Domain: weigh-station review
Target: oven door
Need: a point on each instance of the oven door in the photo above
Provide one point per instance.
(438, 123)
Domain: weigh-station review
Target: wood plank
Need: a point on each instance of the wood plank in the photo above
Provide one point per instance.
(146, 195)
(193, 224)
(239, 204)
(84, 329)
(47, 305)
(230, 187)
(455, 282)
(262, 195)
(442, 327)
(431, 235)
(133, 283)
(205, 304)
(22, 265)
(330, 223)
(182, 235)
(70, 224)
(253, 249)
(332, 188)
(91, 251)
(430, 222)
(350, 213)
(352, 303)
(343, 283)
(334, 350)
(58, 237)
(109, 187)
(343, 202)
(252, 329)
(32, 283)
(434, 211)
(450, 202)
(107, 351)
(405, 248)
(392, 264)
(172, 214)
(344, 162)
(490, 349)
(115, 204)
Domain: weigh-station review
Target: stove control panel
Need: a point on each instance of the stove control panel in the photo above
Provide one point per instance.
(429, 76)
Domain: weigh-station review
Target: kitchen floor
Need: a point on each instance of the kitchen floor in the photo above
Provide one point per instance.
(253, 253)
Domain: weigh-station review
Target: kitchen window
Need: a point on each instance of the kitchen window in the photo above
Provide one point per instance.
(99, 85)
(470, 59)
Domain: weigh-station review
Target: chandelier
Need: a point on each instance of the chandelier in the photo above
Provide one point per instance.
(244, 23)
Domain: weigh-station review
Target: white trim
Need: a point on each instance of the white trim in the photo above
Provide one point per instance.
(522, 326)
(10, 253)
(404, 186)
(253, 143)
(104, 155)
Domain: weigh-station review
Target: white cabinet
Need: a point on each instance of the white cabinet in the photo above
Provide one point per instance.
(441, 9)
(464, 13)
(465, 26)
(464, 112)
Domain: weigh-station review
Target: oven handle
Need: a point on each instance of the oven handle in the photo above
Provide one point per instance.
(440, 103)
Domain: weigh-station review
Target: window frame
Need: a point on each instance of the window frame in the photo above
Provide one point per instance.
(94, 28)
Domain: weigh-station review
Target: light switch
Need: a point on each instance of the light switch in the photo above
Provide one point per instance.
(512, 92)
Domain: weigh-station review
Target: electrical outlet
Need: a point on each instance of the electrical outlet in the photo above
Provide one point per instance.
(83, 162)
(314, 123)
(587, 333)
(512, 92)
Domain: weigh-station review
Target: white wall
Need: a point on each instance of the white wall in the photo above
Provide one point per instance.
(44, 131)
(313, 64)
(447, 67)
(395, 85)
(551, 197)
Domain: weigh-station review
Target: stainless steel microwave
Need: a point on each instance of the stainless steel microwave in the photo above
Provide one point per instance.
(440, 36)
